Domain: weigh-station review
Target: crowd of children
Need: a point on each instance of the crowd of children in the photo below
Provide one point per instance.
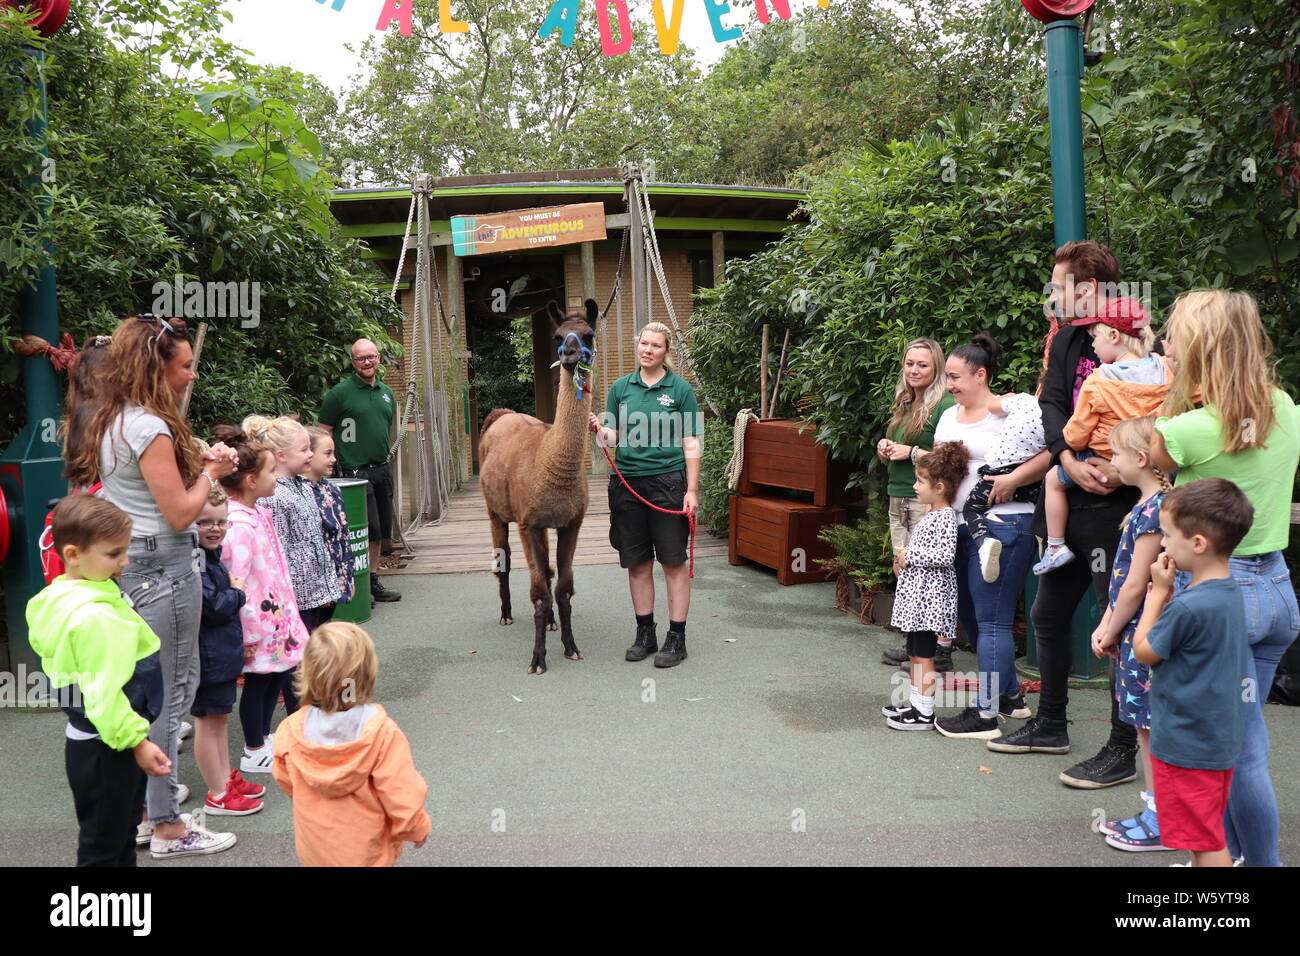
(1189, 673)
(274, 564)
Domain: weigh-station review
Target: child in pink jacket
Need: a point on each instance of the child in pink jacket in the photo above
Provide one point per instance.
(346, 765)
(274, 635)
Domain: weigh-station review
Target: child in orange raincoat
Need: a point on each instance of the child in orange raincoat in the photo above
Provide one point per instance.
(357, 796)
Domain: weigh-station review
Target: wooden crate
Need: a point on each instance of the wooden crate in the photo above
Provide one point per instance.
(783, 453)
(768, 531)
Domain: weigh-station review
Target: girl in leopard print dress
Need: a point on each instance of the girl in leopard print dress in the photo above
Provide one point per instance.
(925, 603)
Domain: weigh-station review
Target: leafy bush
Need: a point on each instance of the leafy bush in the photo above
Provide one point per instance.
(142, 190)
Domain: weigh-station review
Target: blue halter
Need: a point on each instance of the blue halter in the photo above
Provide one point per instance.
(584, 362)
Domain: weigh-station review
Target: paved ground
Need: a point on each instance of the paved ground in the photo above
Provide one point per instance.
(768, 750)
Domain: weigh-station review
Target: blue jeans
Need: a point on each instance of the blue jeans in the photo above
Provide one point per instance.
(1272, 621)
(987, 610)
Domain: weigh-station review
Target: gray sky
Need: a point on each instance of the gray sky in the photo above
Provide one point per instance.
(311, 36)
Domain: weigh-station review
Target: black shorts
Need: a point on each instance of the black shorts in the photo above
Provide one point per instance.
(922, 643)
(379, 498)
(641, 534)
(211, 700)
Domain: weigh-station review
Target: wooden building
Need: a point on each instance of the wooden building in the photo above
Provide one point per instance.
(697, 228)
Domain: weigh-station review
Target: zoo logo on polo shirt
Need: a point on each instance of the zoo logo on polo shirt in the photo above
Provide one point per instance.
(666, 400)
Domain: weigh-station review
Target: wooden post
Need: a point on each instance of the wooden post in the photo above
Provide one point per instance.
(719, 258)
(640, 297)
(780, 367)
(587, 252)
(762, 376)
(198, 350)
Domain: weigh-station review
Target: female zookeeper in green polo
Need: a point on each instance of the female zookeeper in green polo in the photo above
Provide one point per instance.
(652, 419)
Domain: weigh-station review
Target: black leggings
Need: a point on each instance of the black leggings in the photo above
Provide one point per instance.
(257, 704)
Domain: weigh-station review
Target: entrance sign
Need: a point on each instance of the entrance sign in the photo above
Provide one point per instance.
(528, 228)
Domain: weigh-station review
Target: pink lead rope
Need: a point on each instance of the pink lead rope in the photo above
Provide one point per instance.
(690, 515)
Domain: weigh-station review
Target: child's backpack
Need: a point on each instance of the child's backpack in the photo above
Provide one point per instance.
(51, 563)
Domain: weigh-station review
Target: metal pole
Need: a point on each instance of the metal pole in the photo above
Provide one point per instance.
(429, 505)
(1064, 45)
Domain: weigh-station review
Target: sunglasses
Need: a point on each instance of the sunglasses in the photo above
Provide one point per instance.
(166, 327)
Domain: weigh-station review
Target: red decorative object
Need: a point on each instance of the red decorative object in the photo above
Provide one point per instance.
(46, 16)
(1049, 11)
(4, 527)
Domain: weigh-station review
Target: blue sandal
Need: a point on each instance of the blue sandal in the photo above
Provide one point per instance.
(1144, 836)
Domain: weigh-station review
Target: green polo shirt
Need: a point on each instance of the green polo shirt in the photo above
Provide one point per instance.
(651, 421)
(360, 416)
(902, 474)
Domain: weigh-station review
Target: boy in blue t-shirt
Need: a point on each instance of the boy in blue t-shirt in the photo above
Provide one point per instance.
(1195, 645)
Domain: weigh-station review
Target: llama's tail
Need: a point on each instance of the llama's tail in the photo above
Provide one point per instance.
(491, 417)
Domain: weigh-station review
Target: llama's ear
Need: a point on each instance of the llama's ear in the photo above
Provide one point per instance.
(593, 313)
(554, 313)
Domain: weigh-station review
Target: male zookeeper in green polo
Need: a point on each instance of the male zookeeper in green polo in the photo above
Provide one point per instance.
(358, 412)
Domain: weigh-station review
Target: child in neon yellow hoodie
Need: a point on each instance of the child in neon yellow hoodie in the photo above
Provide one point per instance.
(102, 660)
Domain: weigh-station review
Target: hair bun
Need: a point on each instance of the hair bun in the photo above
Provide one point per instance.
(229, 434)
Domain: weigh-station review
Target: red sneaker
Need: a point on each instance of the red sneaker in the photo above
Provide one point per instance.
(232, 804)
(237, 784)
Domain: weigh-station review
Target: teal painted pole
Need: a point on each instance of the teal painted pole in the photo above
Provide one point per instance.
(1064, 45)
(31, 468)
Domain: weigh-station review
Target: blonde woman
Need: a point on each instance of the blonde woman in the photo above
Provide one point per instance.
(920, 397)
(1246, 430)
(652, 418)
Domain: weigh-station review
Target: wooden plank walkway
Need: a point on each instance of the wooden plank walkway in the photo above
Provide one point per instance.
(463, 540)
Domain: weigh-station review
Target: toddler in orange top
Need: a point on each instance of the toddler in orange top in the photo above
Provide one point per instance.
(1131, 383)
(357, 796)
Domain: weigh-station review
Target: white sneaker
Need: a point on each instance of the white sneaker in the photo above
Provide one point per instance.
(990, 553)
(186, 729)
(182, 793)
(257, 761)
(144, 831)
(195, 841)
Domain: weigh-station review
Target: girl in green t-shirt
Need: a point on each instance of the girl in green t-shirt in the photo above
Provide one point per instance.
(920, 397)
(1246, 430)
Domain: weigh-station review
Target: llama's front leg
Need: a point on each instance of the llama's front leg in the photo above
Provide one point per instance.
(539, 592)
(566, 544)
(501, 563)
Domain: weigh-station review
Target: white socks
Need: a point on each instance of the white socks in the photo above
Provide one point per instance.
(922, 705)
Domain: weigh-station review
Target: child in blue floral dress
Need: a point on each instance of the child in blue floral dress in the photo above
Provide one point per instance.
(1139, 545)
(333, 515)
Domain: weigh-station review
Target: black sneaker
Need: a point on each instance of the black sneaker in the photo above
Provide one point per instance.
(894, 655)
(942, 661)
(1038, 736)
(646, 643)
(970, 724)
(380, 593)
(911, 719)
(1111, 766)
(893, 710)
(1013, 707)
(674, 651)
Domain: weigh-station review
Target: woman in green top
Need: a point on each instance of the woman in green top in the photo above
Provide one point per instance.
(920, 397)
(1246, 430)
(653, 419)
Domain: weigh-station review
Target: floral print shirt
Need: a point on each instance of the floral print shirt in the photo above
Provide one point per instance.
(274, 635)
(334, 521)
(298, 523)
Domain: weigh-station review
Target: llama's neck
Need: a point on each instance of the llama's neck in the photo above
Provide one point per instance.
(563, 454)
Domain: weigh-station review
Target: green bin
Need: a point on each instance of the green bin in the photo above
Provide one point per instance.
(354, 502)
(1083, 664)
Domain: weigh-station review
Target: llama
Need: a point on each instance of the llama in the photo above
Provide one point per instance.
(535, 474)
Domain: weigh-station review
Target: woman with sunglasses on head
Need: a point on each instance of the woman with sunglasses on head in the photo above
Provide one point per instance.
(139, 445)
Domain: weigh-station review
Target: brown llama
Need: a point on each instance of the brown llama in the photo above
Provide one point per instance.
(535, 475)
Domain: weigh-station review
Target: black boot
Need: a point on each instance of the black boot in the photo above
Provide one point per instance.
(646, 643)
(942, 660)
(894, 655)
(674, 651)
(381, 593)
